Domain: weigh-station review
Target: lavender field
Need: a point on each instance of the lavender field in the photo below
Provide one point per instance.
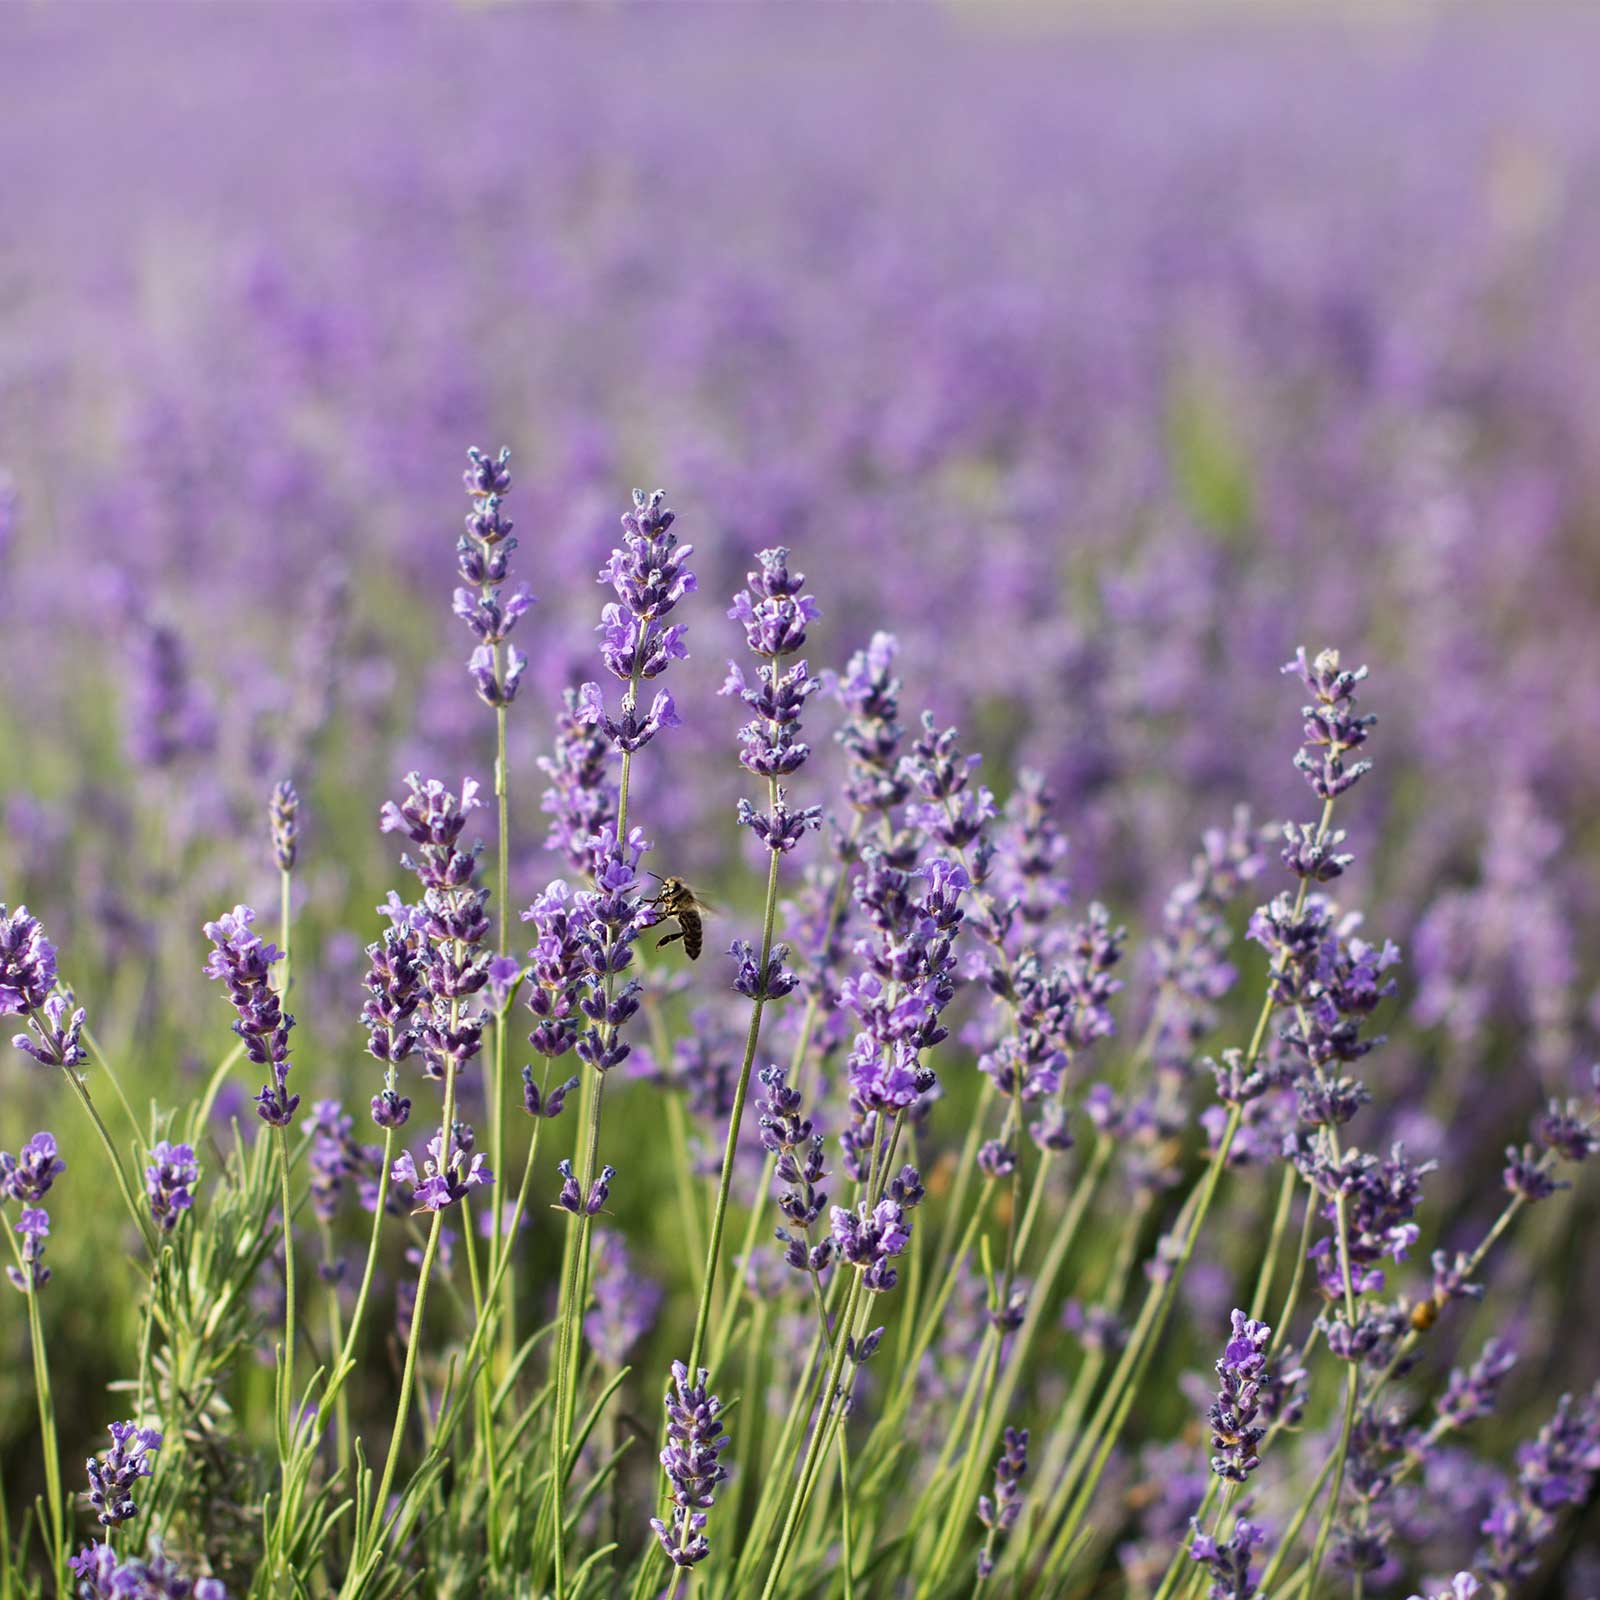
(1097, 528)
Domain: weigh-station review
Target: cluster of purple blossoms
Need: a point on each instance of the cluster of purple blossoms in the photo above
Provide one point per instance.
(335, 1158)
(1554, 1470)
(695, 1441)
(283, 817)
(1332, 728)
(559, 971)
(1190, 954)
(549, 1102)
(1381, 1196)
(1029, 875)
(450, 919)
(875, 786)
(483, 555)
(1562, 1133)
(951, 810)
(26, 1178)
(27, 977)
(1234, 1415)
(582, 798)
(169, 1182)
(244, 963)
(909, 958)
(443, 1182)
(1472, 1392)
(113, 1475)
(870, 1239)
(650, 575)
(1000, 1513)
(800, 1168)
(102, 1574)
(774, 625)
(27, 962)
(34, 1226)
(28, 1175)
(572, 1198)
(625, 1300)
(1228, 1563)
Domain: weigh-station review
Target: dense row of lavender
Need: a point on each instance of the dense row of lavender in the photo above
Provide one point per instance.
(887, 1247)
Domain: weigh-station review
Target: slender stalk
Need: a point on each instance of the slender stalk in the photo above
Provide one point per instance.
(286, 1365)
(408, 1373)
(286, 1371)
(736, 1115)
(47, 1416)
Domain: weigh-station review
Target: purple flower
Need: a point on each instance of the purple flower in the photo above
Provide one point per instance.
(631, 732)
(775, 620)
(244, 963)
(112, 1475)
(1332, 729)
(102, 1575)
(779, 828)
(695, 1441)
(551, 1103)
(581, 798)
(390, 1108)
(435, 1188)
(27, 962)
(28, 1175)
(1555, 1469)
(571, 1196)
(1235, 1431)
(756, 982)
(871, 734)
(1228, 1562)
(169, 1181)
(1000, 1513)
(53, 1035)
(648, 571)
(1471, 1394)
(483, 559)
(34, 1226)
(283, 815)
(869, 1240)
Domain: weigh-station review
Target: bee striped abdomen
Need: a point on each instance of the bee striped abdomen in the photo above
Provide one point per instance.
(693, 933)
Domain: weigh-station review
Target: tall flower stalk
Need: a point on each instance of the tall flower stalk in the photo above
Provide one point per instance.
(649, 575)
(775, 615)
(483, 555)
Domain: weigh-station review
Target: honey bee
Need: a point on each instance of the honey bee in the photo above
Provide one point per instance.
(678, 900)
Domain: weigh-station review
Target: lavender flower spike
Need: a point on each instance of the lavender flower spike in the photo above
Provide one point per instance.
(35, 1229)
(694, 1442)
(649, 573)
(28, 1175)
(283, 813)
(169, 1181)
(27, 962)
(1235, 1433)
(483, 555)
(1000, 1514)
(112, 1475)
(244, 963)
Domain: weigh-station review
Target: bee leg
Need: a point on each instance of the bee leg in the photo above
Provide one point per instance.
(670, 938)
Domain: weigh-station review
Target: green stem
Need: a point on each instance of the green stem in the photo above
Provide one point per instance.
(736, 1116)
(47, 1415)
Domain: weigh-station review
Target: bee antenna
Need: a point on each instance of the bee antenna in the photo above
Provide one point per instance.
(656, 875)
